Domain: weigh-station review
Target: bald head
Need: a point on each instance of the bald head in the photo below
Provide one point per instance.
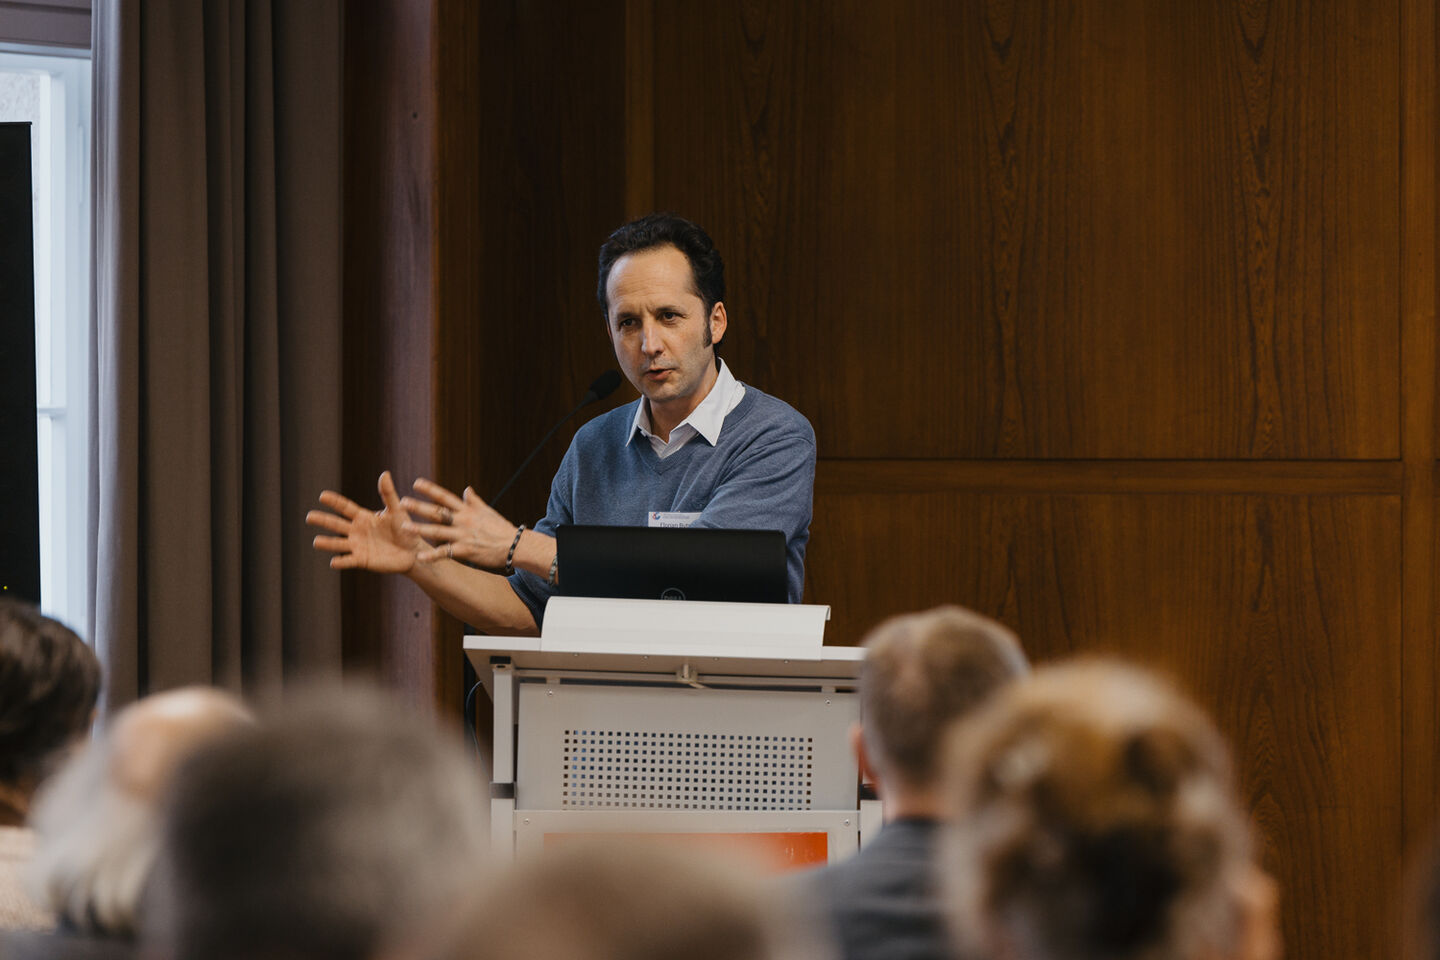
(150, 737)
(98, 820)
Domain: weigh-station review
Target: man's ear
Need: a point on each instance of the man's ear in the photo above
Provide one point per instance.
(718, 322)
(862, 757)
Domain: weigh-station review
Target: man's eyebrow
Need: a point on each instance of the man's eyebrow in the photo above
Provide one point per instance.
(621, 312)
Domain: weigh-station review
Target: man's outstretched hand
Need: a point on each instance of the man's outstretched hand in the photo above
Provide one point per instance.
(364, 539)
(461, 527)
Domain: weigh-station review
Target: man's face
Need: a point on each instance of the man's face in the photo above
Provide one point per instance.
(661, 332)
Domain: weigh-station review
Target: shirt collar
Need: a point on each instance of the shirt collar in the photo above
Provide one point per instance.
(706, 419)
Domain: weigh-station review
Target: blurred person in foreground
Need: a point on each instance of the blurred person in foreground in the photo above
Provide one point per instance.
(922, 672)
(615, 898)
(97, 821)
(342, 827)
(1093, 816)
(49, 682)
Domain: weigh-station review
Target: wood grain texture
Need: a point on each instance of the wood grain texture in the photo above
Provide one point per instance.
(458, 290)
(639, 108)
(1100, 229)
(1115, 320)
(1419, 424)
(389, 304)
(880, 477)
(480, 181)
(549, 186)
(1280, 614)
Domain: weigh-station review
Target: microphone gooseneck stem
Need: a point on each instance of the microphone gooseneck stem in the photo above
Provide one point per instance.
(538, 447)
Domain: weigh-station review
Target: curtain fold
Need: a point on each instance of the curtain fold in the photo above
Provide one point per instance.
(217, 340)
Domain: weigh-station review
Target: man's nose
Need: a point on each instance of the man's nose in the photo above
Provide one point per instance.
(650, 343)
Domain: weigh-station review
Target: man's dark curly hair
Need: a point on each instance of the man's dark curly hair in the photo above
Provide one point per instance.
(49, 682)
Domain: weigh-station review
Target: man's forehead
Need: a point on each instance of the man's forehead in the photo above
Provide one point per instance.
(649, 276)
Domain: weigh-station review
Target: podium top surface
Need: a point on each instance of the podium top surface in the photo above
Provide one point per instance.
(525, 653)
(661, 637)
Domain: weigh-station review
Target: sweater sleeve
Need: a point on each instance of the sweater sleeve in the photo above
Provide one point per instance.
(533, 590)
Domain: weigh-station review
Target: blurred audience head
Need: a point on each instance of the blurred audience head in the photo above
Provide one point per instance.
(341, 827)
(922, 672)
(1094, 818)
(98, 818)
(621, 899)
(49, 682)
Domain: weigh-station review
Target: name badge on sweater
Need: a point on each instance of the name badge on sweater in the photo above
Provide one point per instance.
(662, 518)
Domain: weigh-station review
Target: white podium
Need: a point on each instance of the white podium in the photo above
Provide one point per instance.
(726, 723)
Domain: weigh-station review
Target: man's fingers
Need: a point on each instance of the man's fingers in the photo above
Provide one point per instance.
(345, 561)
(472, 498)
(332, 544)
(445, 551)
(340, 503)
(426, 511)
(438, 493)
(327, 521)
(388, 495)
(433, 531)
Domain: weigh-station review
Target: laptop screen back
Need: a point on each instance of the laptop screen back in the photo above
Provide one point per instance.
(672, 563)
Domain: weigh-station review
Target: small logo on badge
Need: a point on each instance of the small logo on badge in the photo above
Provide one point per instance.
(672, 593)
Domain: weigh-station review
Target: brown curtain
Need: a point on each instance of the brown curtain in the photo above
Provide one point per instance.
(217, 317)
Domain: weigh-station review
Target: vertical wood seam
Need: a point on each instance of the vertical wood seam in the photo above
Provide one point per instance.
(1418, 252)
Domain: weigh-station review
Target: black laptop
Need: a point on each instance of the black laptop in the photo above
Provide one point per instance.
(672, 563)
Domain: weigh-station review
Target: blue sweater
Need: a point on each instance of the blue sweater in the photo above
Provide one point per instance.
(760, 476)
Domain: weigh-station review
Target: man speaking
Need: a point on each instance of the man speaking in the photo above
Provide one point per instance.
(699, 448)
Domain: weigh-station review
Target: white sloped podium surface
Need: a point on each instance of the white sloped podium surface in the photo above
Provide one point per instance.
(721, 722)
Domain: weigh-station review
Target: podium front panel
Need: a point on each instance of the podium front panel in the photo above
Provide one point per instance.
(602, 747)
(775, 841)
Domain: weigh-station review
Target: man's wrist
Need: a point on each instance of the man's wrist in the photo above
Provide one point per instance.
(510, 555)
(534, 552)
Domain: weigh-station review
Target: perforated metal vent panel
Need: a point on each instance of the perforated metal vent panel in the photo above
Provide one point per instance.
(655, 769)
(622, 748)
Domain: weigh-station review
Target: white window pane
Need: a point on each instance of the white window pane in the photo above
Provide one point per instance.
(52, 93)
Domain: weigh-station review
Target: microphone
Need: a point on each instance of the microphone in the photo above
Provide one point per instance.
(600, 388)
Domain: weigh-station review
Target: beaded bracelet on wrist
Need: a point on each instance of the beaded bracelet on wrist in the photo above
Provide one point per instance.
(510, 557)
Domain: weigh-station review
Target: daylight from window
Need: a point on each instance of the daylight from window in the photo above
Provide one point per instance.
(52, 93)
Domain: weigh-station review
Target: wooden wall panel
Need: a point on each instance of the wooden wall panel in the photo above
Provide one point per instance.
(1419, 422)
(1103, 229)
(389, 301)
(1281, 614)
(548, 187)
(1114, 318)
(480, 180)
(528, 184)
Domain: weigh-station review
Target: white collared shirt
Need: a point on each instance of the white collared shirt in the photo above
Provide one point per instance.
(705, 420)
